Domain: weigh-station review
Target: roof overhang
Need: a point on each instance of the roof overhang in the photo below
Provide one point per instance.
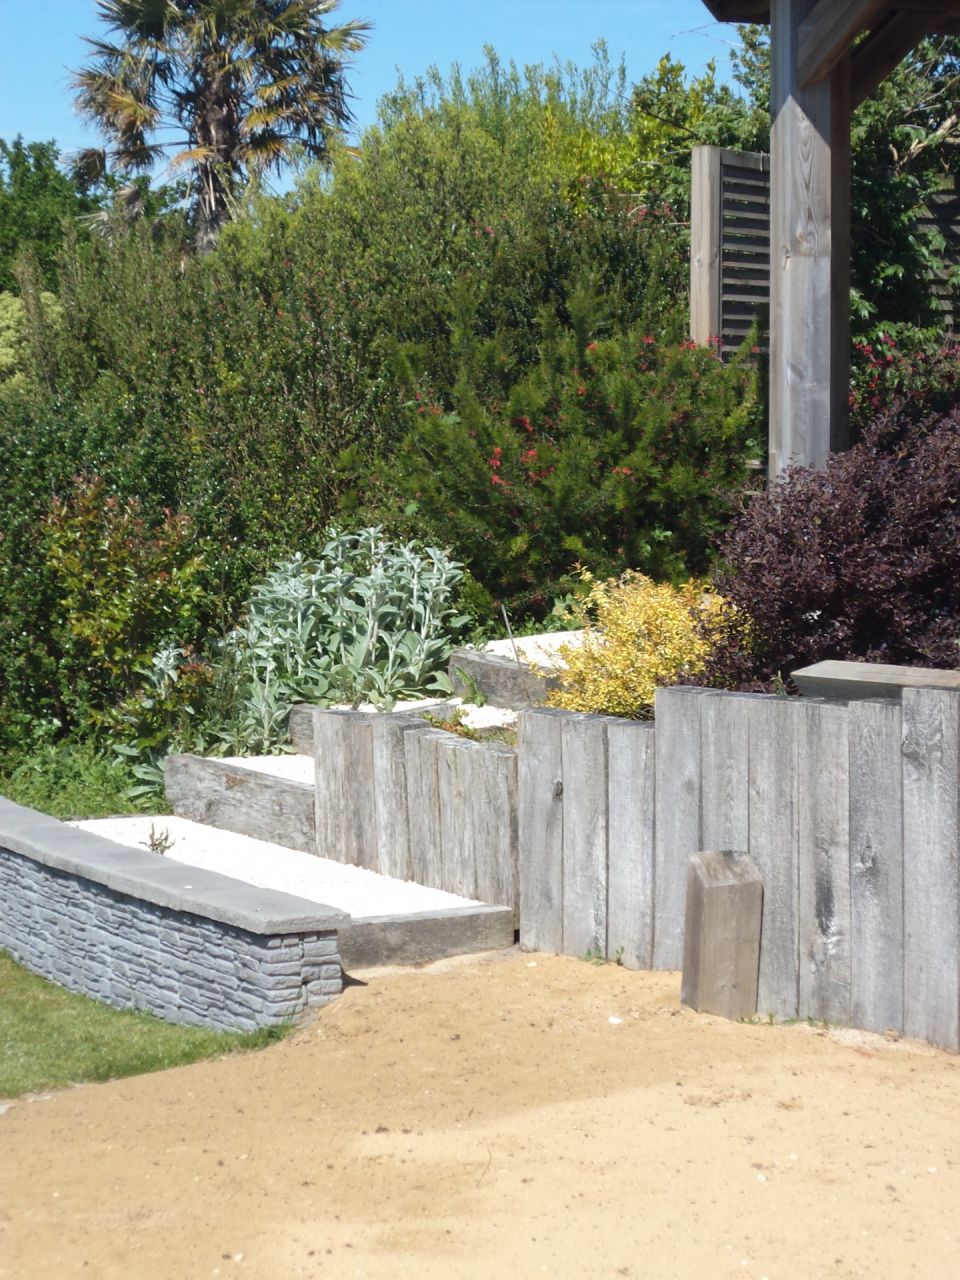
(931, 16)
(739, 10)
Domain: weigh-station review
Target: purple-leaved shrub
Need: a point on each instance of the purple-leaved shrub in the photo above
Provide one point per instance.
(858, 561)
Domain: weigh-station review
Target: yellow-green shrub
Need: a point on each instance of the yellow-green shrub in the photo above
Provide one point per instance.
(641, 634)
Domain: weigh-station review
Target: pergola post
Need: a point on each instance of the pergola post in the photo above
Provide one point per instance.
(809, 250)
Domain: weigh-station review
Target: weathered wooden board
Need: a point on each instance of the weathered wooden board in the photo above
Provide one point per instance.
(724, 739)
(300, 727)
(494, 808)
(677, 751)
(876, 866)
(390, 794)
(540, 813)
(721, 942)
(345, 808)
(823, 813)
(931, 843)
(631, 797)
(773, 845)
(584, 746)
(242, 800)
(458, 770)
(478, 820)
(421, 749)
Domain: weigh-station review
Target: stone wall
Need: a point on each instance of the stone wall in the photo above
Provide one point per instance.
(126, 927)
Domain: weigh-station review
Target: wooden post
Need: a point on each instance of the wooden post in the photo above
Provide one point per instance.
(721, 947)
(705, 229)
(809, 251)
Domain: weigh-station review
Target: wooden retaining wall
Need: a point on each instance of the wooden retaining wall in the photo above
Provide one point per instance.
(401, 798)
(851, 811)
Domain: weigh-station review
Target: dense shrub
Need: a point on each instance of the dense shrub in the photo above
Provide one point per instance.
(899, 364)
(640, 635)
(859, 561)
(611, 453)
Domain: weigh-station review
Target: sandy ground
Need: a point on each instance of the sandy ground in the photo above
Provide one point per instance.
(512, 1116)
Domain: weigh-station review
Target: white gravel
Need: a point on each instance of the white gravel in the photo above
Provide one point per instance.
(271, 866)
(291, 767)
(540, 651)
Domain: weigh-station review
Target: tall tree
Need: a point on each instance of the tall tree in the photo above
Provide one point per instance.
(240, 83)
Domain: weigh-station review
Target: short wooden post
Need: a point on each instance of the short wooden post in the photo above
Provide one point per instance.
(721, 949)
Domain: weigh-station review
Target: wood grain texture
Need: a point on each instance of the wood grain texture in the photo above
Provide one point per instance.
(809, 252)
(724, 791)
(823, 814)
(584, 751)
(458, 769)
(931, 842)
(421, 758)
(494, 806)
(876, 866)
(390, 794)
(827, 33)
(300, 727)
(773, 845)
(241, 800)
(678, 814)
(345, 812)
(631, 800)
(540, 812)
(721, 946)
(705, 228)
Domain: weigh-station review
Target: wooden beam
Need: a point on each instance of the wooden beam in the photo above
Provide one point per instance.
(884, 49)
(705, 229)
(827, 33)
(809, 253)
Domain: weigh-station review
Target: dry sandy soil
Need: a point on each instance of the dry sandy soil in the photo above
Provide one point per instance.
(493, 1118)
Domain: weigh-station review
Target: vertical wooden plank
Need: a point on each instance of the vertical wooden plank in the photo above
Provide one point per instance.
(677, 820)
(493, 817)
(705, 233)
(390, 794)
(773, 846)
(584, 749)
(421, 750)
(631, 796)
(540, 811)
(876, 866)
(724, 738)
(823, 797)
(456, 773)
(931, 893)
(809, 245)
(346, 822)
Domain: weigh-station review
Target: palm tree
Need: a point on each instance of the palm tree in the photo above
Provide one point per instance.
(240, 84)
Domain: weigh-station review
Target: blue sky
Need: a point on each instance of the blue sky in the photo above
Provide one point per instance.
(41, 41)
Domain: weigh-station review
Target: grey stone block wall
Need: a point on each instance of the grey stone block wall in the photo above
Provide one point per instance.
(133, 954)
(123, 926)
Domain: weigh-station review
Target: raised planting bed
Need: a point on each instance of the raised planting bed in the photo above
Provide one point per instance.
(267, 797)
(383, 920)
(119, 923)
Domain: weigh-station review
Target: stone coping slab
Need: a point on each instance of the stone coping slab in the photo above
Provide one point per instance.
(138, 873)
(857, 681)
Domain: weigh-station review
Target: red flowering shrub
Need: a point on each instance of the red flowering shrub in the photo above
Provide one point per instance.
(610, 454)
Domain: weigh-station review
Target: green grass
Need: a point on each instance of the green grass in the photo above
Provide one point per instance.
(69, 779)
(50, 1037)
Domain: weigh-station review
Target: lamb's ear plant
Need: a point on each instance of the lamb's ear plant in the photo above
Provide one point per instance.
(369, 620)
